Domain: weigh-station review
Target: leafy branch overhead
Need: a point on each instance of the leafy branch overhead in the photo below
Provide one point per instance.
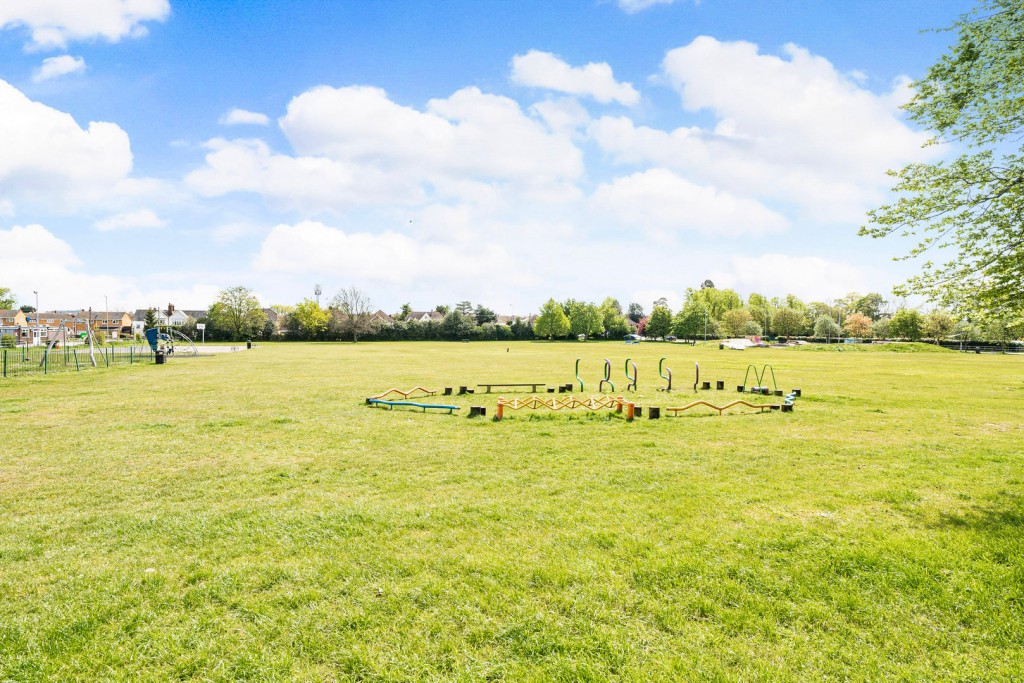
(968, 211)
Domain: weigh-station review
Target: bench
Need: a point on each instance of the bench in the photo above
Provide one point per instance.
(533, 385)
(424, 406)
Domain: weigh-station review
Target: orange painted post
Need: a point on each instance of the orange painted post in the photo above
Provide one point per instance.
(500, 412)
(618, 405)
(630, 409)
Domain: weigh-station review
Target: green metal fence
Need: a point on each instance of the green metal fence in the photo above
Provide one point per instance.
(37, 360)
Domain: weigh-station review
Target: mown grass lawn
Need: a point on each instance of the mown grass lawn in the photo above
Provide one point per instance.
(247, 516)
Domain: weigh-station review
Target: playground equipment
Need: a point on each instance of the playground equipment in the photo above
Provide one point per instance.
(607, 376)
(578, 378)
(391, 405)
(567, 403)
(760, 388)
(632, 380)
(170, 341)
(661, 374)
(696, 379)
(761, 407)
(407, 394)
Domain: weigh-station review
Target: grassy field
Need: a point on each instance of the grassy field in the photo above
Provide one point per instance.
(247, 516)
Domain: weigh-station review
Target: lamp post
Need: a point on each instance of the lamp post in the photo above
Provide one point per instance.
(37, 313)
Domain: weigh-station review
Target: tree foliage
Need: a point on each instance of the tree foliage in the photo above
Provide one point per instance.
(660, 323)
(826, 327)
(857, 325)
(938, 325)
(973, 205)
(308, 320)
(552, 321)
(906, 324)
(733, 321)
(237, 312)
(788, 322)
(8, 299)
(584, 318)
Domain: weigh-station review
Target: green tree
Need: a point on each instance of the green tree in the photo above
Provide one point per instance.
(7, 298)
(635, 312)
(660, 323)
(973, 97)
(716, 301)
(938, 325)
(788, 322)
(825, 327)
(880, 328)
(871, 305)
(734, 320)
(761, 309)
(906, 324)
(688, 323)
(585, 318)
(150, 318)
(751, 329)
(309, 321)
(465, 308)
(552, 321)
(484, 315)
(238, 313)
(458, 325)
(404, 312)
(615, 324)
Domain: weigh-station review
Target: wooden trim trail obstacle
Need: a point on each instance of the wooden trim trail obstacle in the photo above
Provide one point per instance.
(407, 394)
(567, 403)
(760, 406)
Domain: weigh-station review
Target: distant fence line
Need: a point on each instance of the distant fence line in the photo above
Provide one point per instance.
(38, 360)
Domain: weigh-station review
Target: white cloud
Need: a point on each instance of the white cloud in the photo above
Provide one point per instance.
(34, 259)
(55, 23)
(388, 257)
(237, 116)
(634, 6)
(660, 201)
(808, 277)
(55, 67)
(791, 129)
(564, 116)
(544, 70)
(355, 146)
(48, 158)
(129, 220)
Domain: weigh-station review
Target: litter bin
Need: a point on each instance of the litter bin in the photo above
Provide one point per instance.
(161, 357)
(248, 344)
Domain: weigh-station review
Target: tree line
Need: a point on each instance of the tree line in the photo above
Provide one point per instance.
(706, 313)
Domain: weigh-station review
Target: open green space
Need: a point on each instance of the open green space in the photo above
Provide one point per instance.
(247, 516)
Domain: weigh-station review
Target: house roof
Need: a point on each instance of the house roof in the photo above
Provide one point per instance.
(418, 315)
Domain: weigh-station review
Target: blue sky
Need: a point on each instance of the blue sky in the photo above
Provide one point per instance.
(156, 151)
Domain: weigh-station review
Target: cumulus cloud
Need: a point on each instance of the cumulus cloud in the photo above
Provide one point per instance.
(33, 258)
(390, 257)
(236, 117)
(538, 69)
(788, 128)
(47, 157)
(354, 145)
(130, 220)
(55, 67)
(55, 23)
(659, 200)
